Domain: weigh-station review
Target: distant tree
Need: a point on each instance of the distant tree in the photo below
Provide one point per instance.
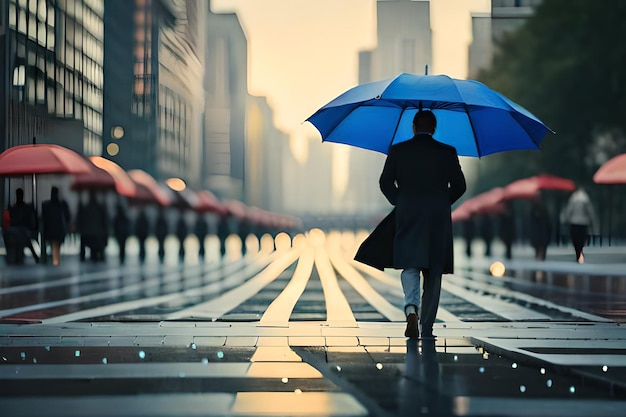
(567, 65)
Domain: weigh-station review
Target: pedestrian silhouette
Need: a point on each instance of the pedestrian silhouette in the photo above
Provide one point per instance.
(580, 215)
(487, 232)
(93, 226)
(540, 228)
(161, 231)
(55, 215)
(21, 230)
(243, 230)
(142, 229)
(469, 231)
(223, 231)
(507, 230)
(201, 229)
(121, 230)
(181, 233)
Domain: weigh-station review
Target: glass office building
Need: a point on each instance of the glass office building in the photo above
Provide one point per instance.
(52, 73)
(154, 98)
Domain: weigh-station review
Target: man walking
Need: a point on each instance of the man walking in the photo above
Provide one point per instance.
(422, 178)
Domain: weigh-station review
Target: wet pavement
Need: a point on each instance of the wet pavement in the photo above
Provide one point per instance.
(264, 335)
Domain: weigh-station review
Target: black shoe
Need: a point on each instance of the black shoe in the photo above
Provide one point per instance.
(412, 332)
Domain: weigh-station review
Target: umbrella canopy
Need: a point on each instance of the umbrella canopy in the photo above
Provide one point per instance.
(474, 119)
(42, 159)
(208, 203)
(529, 188)
(461, 214)
(97, 179)
(158, 194)
(612, 171)
(236, 208)
(489, 202)
(124, 185)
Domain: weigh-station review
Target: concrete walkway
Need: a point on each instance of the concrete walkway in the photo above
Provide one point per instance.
(188, 367)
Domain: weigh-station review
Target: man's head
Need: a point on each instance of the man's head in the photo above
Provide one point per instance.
(54, 193)
(19, 195)
(424, 121)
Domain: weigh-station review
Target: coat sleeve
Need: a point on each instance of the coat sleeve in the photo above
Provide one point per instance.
(457, 180)
(387, 181)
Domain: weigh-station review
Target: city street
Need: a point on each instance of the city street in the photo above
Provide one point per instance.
(298, 328)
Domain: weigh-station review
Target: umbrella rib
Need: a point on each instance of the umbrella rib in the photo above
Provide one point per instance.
(473, 130)
(395, 130)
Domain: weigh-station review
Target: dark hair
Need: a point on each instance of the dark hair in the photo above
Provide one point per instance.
(425, 121)
(54, 192)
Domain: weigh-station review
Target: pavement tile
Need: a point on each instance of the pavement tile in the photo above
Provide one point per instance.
(31, 341)
(149, 341)
(241, 341)
(342, 341)
(72, 341)
(297, 403)
(273, 341)
(178, 340)
(209, 340)
(275, 354)
(373, 341)
(307, 341)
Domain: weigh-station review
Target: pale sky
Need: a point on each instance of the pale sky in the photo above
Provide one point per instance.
(303, 53)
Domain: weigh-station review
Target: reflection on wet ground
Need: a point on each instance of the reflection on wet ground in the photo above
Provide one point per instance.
(442, 377)
(424, 379)
(604, 296)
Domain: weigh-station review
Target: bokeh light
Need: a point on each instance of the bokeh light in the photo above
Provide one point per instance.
(497, 269)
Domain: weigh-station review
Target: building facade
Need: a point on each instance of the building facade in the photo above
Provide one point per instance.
(52, 76)
(153, 94)
(226, 89)
(489, 28)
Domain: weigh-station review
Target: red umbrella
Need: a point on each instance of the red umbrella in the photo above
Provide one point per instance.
(97, 179)
(612, 171)
(124, 185)
(489, 201)
(528, 188)
(159, 195)
(42, 159)
(461, 213)
(236, 208)
(208, 203)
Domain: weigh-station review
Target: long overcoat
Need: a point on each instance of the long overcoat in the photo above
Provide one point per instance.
(422, 178)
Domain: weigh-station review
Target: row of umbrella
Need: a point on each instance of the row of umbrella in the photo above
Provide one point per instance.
(137, 186)
(494, 200)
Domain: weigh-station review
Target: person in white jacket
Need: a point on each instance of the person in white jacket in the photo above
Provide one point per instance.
(580, 215)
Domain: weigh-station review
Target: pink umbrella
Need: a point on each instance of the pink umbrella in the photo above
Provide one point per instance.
(159, 195)
(97, 179)
(42, 159)
(124, 185)
(612, 171)
(489, 202)
(529, 188)
(208, 203)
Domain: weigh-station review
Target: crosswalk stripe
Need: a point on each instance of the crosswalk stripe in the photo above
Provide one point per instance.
(365, 289)
(231, 279)
(279, 311)
(338, 309)
(219, 306)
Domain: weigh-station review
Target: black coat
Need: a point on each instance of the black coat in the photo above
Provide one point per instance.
(422, 178)
(55, 215)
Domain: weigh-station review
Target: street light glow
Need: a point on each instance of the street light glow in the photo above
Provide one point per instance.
(176, 184)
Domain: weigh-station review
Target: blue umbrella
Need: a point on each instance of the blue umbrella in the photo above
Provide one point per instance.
(474, 119)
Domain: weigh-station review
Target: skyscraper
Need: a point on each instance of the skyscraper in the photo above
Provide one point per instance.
(154, 99)
(52, 77)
